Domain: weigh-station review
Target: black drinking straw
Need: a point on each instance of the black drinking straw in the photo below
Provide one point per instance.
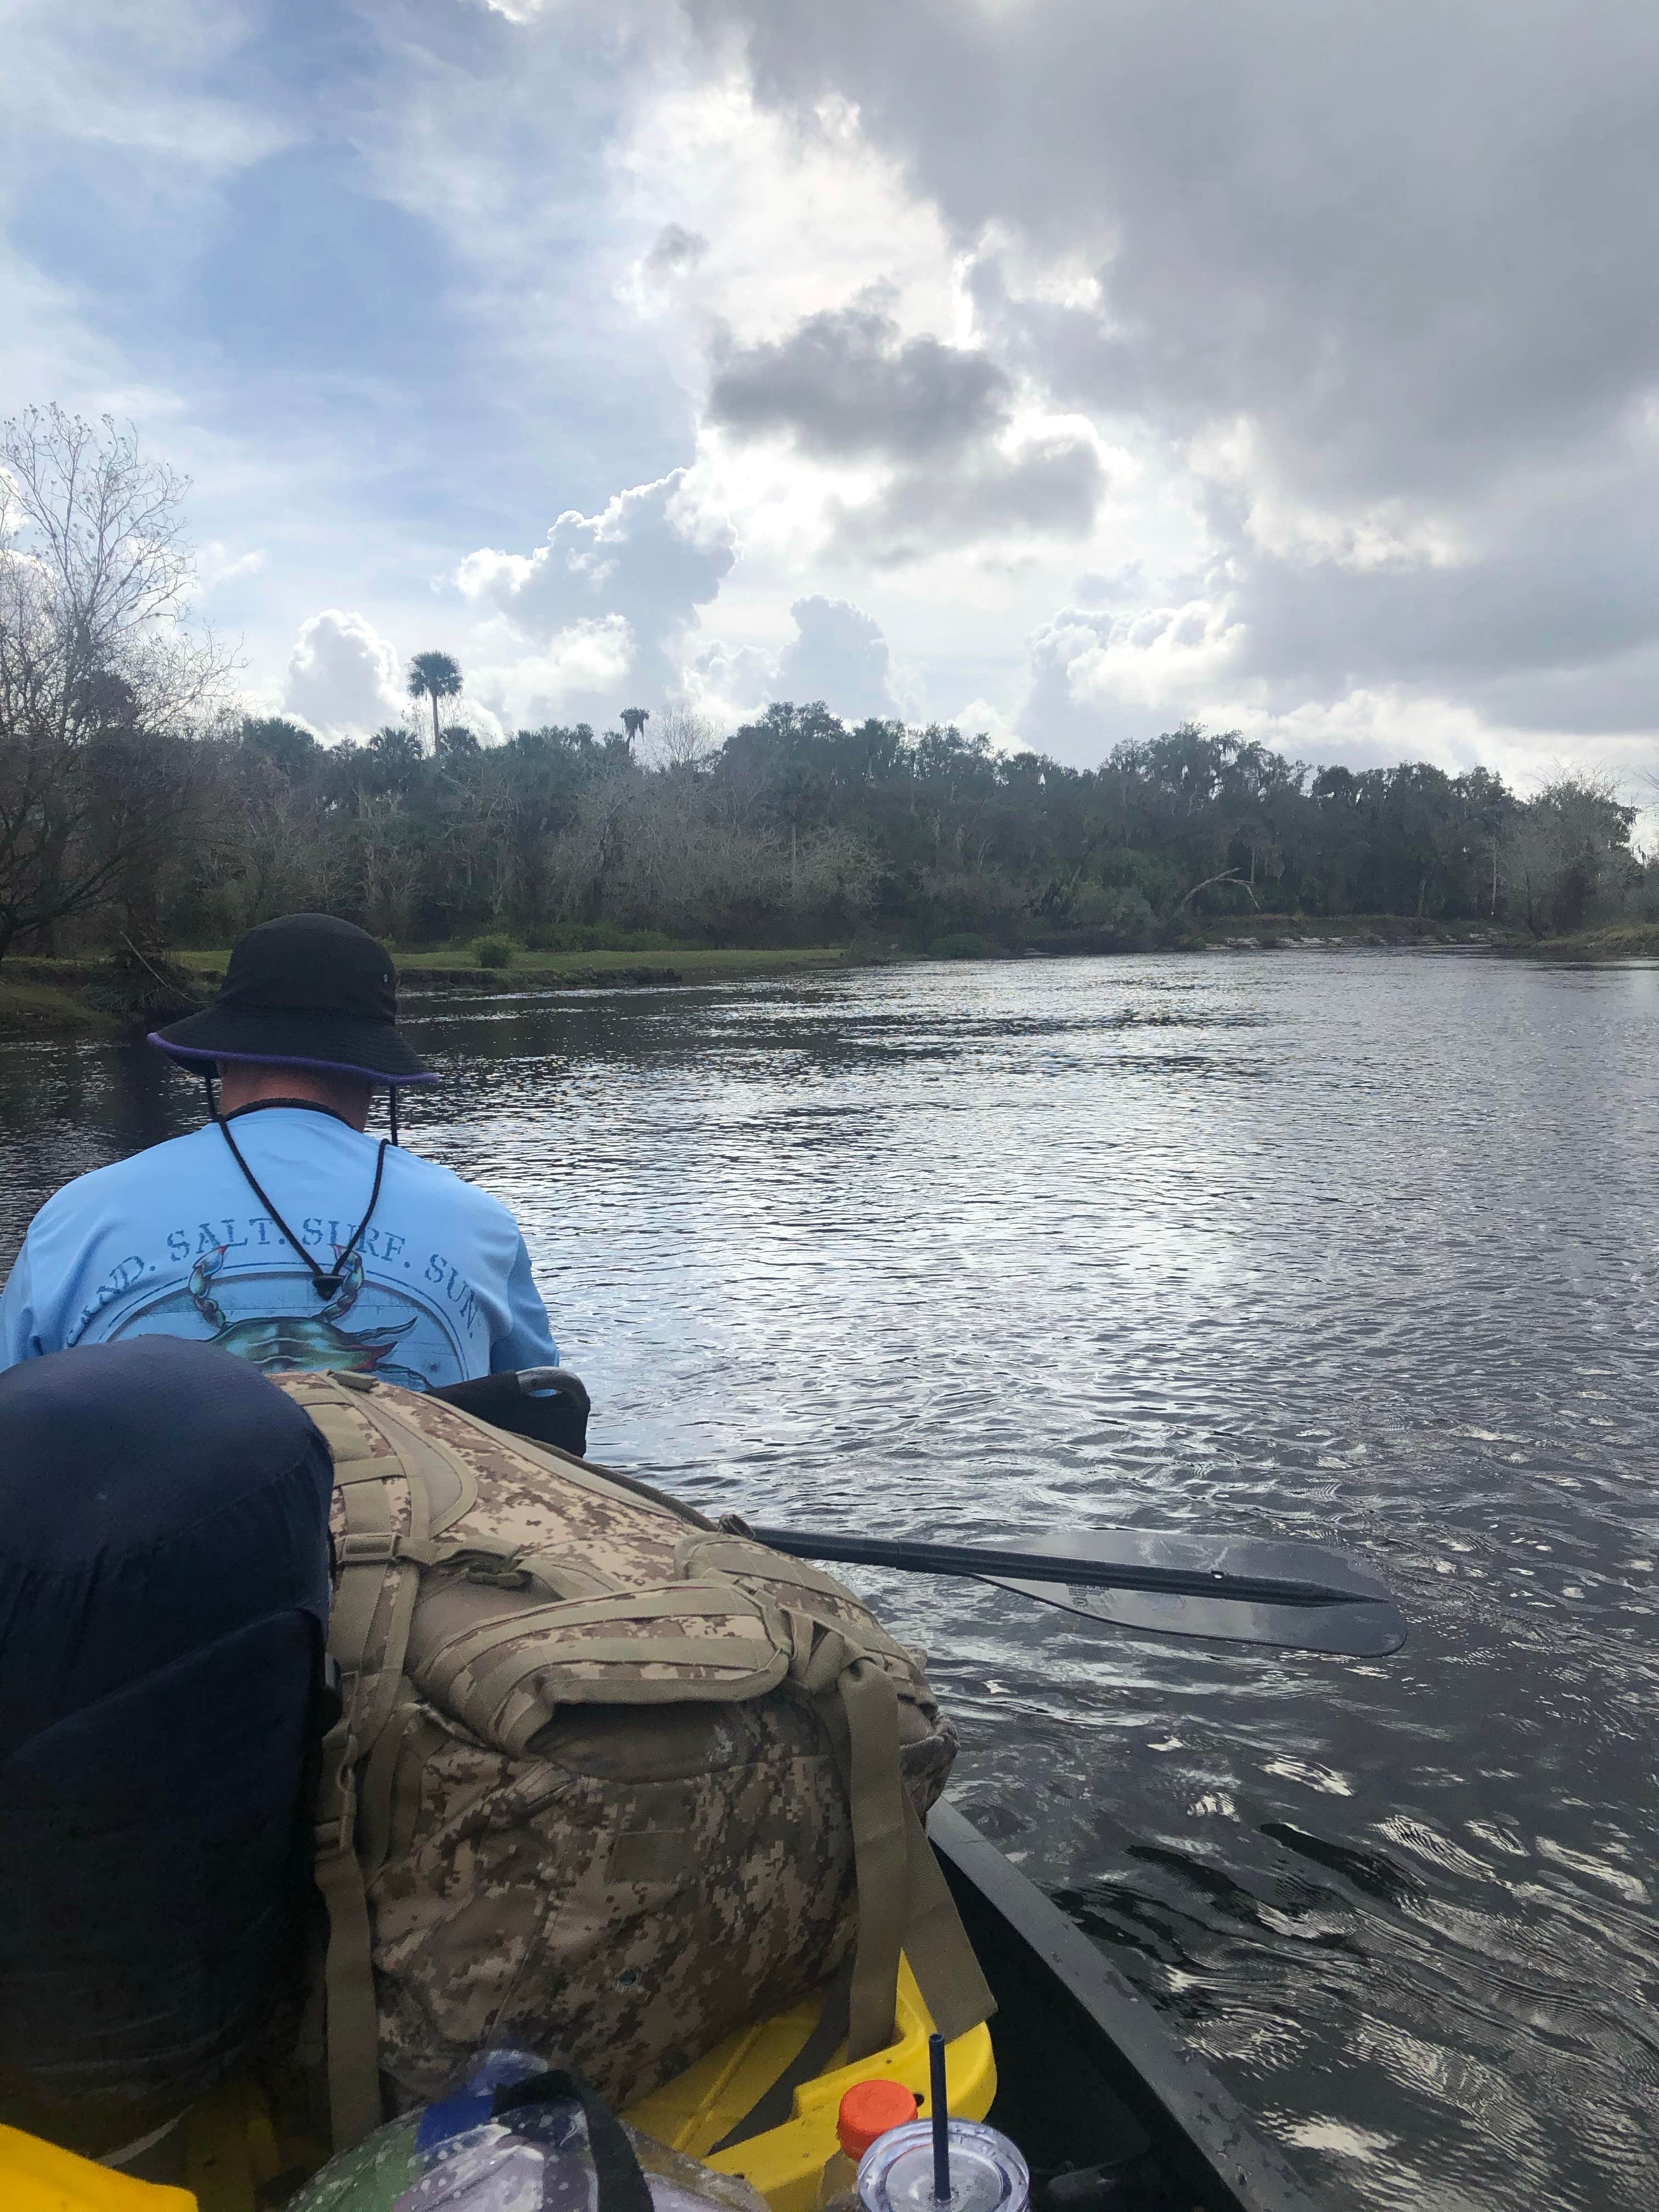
(941, 2116)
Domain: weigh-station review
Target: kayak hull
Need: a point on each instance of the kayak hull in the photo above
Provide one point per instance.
(1090, 2080)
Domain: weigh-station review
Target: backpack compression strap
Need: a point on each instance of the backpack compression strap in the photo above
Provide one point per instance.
(904, 1902)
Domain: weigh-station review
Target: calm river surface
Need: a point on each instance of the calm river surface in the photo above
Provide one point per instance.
(1354, 1248)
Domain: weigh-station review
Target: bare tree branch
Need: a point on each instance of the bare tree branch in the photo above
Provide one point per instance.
(101, 683)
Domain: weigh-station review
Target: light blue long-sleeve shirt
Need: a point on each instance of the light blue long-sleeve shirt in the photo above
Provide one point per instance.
(174, 1241)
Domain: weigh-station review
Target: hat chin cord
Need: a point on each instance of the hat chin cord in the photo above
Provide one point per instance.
(326, 1281)
(213, 1103)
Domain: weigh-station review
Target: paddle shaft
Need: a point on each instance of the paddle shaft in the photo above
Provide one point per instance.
(1043, 1567)
(1282, 1604)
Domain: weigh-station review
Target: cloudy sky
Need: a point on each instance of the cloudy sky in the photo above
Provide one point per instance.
(1064, 368)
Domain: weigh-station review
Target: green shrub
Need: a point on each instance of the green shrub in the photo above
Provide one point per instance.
(495, 951)
(963, 944)
(1117, 915)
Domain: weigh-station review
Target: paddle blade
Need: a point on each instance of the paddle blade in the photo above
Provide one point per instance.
(1361, 1621)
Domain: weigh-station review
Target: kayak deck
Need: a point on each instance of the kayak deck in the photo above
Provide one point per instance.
(731, 2089)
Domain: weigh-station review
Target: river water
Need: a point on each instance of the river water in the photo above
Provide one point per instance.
(1356, 1247)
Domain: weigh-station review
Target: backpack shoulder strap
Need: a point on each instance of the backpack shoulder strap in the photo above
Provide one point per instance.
(378, 1581)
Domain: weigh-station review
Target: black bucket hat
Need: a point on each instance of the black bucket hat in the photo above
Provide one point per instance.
(304, 991)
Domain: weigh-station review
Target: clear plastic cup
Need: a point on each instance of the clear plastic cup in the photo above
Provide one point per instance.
(987, 2173)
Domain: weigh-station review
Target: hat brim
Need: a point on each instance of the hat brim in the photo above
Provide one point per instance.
(274, 1037)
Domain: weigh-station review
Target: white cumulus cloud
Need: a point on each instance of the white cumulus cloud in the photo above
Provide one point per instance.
(839, 654)
(1109, 674)
(343, 678)
(646, 562)
(580, 676)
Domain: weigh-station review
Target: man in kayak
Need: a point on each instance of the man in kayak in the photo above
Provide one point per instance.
(281, 1231)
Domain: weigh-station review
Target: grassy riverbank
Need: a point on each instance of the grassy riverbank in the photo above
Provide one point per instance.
(41, 998)
(451, 965)
(34, 1008)
(45, 998)
(1635, 940)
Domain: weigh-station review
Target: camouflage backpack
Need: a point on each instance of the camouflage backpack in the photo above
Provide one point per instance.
(608, 1781)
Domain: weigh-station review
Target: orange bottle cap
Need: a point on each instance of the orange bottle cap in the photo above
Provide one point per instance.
(869, 2108)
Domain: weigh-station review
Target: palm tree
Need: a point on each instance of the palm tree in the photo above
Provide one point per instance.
(434, 676)
(633, 719)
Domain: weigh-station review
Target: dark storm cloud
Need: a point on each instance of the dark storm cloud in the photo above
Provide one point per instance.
(1564, 586)
(1413, 238)
(1050, 487)
(848, 385)
(1409, 244)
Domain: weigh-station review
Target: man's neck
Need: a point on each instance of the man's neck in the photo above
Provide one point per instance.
(243, 1082)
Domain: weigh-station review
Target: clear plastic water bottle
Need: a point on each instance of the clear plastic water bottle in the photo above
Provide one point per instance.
(457, 2155)
(986, 2173)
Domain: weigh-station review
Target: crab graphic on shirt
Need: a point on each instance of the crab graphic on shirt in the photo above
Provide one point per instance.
(283, 1344)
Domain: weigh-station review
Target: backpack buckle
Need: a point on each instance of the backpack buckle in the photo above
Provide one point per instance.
(505, 1579)
(368, 1550)
(497, 1570)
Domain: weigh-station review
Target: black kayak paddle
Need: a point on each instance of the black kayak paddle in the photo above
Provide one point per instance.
(1239, 1590)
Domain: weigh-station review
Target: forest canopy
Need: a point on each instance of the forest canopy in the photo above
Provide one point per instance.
(800, 828)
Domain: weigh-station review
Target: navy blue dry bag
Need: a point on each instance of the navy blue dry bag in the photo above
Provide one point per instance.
(163, 1609)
